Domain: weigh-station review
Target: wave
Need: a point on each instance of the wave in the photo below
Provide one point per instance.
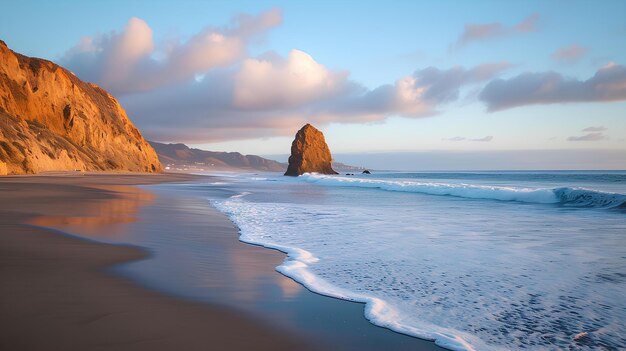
(245, 193)
(296, 266)
(571, 197)
(580, 197)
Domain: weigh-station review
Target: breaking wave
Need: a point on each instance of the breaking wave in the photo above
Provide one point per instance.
(571, 197)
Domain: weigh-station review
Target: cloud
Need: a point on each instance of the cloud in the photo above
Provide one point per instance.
(271, 95)
(594, 129)
(443, 85)
(588, 137)
(208, 88)
(528, 24)
(594, 135)
(129, 61)
(418, 95)
(297, 80)
(479, 32)
(488, 138)
(569, 54)
(608, 84)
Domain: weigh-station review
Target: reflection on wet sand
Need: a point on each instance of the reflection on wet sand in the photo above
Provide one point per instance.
(195, 254)
(55, 296)
(245, 261)
(196, 248)
(290, 288)
(100, 218)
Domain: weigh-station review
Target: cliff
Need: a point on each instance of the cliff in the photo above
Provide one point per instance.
(182, 155)
(309, 153)
(52, 121)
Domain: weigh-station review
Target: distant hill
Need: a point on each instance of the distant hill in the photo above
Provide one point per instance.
(180, 155)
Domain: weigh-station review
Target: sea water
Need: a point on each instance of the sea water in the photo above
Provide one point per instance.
(474, 261)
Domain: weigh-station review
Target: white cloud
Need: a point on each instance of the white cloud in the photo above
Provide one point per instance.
(125, 61)
(207, 88)
(125, 51)
(280, 83)
(272, 95)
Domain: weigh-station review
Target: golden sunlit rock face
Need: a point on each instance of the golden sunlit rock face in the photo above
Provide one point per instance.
(309, 153)
(52, 121)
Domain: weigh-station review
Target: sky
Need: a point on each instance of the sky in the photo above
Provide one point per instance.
(450, 79)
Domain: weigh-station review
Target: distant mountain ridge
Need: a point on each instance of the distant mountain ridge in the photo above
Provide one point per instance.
(182, 155)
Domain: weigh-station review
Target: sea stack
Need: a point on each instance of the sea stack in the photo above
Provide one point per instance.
(52, 121)
(309, 153)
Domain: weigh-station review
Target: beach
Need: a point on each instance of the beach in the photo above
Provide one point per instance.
(69, 283)
(260, 261)
(56, 293)
(202, 175)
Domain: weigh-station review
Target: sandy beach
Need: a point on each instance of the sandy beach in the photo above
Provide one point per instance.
(57, 295)
(71, 292)
(299, 175)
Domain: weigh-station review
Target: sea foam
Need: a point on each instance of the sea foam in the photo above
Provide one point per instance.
(296, 266)
(462, 269)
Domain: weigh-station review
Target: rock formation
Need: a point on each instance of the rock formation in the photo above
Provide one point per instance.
(52, 121)
(309, 153)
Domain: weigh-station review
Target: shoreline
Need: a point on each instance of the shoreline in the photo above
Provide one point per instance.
(58, 291)
(296, 314)
(294, 266)
(338, 320)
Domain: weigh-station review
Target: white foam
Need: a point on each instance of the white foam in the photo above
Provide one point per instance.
(240, 195)
(480, 277)
(296, 266)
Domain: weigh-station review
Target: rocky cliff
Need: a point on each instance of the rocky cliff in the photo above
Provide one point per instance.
(182, 155)
(52, 121)
(309, 153)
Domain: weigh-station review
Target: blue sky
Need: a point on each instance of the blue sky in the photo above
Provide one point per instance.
(359, 49)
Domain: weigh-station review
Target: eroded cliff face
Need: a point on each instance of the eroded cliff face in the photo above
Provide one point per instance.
(309, 153)
(52, 121)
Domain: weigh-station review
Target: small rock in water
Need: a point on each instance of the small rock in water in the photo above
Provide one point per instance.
(367, 172)
(581, 336)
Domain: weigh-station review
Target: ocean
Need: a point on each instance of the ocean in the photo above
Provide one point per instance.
(472, 260)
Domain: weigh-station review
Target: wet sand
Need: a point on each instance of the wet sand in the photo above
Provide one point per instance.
(197, 273)
(56, 294)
